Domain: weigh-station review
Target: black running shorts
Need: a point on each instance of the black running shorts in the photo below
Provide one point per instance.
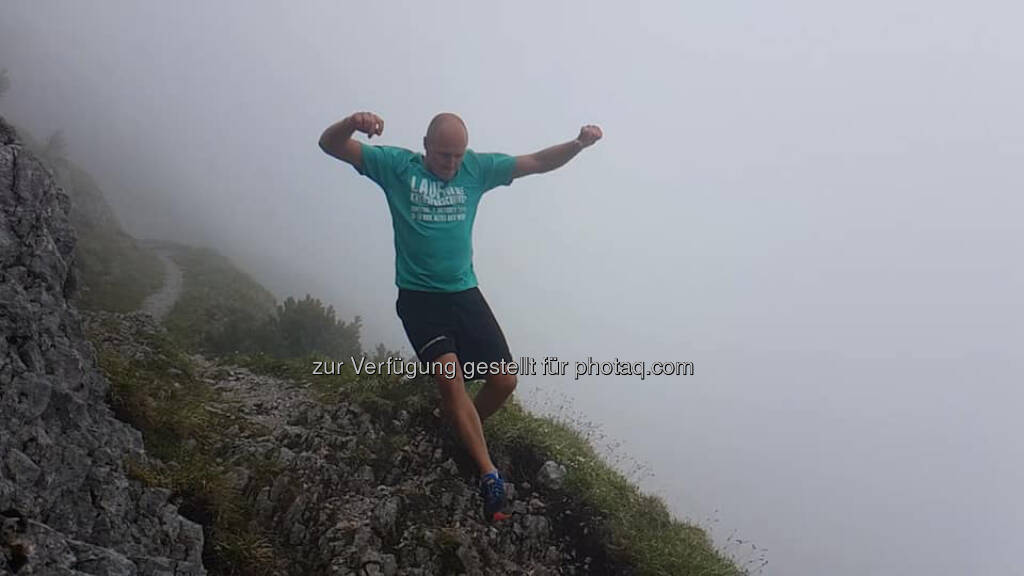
(460, 322)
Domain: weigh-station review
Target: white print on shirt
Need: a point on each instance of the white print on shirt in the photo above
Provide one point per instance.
(432, 201)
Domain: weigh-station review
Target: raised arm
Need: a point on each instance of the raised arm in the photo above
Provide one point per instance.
(337, 138)
(556, 156)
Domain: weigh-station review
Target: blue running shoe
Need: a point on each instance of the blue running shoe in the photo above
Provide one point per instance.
(492, 490)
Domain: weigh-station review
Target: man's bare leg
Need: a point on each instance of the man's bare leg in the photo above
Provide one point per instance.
(460, 409)
(493, 394)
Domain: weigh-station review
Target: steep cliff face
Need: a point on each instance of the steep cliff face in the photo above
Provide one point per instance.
(66, 506)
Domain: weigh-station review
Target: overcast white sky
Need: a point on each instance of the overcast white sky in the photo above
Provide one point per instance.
(816, 203)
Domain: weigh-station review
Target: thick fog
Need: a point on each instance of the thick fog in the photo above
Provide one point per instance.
(816, 203)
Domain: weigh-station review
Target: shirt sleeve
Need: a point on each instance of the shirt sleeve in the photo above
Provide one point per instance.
(495, 169)
(380, 163)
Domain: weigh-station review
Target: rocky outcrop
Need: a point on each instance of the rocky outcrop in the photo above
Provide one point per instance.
(66, 506)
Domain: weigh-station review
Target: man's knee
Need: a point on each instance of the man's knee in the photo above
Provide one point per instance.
(449, 382)
(447, 387)
(506, 383)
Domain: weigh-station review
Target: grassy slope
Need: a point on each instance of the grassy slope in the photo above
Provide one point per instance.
(216, 296)
(118, 272)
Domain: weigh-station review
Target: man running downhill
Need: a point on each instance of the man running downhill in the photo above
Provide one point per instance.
(433, 200)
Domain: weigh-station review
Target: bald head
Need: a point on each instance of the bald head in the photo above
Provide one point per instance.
(447, 125)
(445, 144)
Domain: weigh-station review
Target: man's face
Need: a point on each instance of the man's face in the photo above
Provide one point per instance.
(444, 151)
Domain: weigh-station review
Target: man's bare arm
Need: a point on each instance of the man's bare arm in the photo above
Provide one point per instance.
(556, 156)
(337, 138)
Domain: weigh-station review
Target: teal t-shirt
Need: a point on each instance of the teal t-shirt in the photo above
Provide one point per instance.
(433, 219)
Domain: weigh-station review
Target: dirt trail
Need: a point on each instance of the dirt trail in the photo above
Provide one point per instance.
(160, 303)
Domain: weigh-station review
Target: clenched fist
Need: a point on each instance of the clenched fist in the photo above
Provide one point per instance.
(589, 134)
(367, 122)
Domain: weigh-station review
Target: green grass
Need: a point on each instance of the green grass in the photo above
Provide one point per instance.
(220, 307)
(119, 283)
(114, 272)
(639, 530)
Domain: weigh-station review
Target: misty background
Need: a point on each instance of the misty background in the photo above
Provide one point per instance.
(818, 204)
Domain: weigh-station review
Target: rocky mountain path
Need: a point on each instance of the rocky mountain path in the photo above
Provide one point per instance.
(354, 494)
(264, 401)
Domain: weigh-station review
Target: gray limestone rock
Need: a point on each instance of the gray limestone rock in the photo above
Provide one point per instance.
(62, 476)
(551, 475)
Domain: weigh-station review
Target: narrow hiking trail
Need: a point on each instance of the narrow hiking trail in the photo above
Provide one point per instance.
(160, 303)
